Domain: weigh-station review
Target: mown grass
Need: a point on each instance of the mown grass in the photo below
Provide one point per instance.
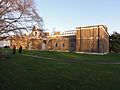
(111, 57)
(19, 72)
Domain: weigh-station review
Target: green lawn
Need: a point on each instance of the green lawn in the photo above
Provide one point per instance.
(20, 72)
(112, 57)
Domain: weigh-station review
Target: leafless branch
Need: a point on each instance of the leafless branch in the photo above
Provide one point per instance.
(17, 16)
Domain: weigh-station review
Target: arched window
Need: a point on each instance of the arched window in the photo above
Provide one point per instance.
(63, 45)
(56, 45)
(44, 41)
(35, 33)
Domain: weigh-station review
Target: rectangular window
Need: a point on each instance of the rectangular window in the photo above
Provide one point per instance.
(72, 45)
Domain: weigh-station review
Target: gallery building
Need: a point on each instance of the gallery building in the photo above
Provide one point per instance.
(88, 39)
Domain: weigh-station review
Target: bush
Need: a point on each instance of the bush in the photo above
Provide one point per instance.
(6, 47)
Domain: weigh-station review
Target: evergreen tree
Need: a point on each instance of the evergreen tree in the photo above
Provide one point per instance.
(115, 42)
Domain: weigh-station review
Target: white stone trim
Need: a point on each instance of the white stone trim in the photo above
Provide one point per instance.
(92, 53)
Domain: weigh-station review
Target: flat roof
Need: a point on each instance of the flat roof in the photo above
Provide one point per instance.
(89, 26)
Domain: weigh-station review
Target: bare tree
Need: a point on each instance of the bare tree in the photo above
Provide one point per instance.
(17, 16)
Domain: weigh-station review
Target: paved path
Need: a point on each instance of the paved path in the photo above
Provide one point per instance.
(110, 63)
(72, 61)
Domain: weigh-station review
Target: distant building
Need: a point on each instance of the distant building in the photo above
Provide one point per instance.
(89, 39)
(33, 41)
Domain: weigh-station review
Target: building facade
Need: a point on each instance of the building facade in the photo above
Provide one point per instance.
(65, 42)
(92, 39)
(33, 41)
(89, 39)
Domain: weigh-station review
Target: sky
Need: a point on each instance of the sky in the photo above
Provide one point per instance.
(63, 15)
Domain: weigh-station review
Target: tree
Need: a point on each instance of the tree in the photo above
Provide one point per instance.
(17, 16)
(115, 42)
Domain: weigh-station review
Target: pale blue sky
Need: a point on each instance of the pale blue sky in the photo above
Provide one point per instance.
(69, 14)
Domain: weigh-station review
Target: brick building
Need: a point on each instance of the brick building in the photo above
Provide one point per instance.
(89, 39)
(33, 41)
(92, 39)
(65, 42)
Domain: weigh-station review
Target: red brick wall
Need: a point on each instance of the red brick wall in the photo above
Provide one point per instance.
(92, 39)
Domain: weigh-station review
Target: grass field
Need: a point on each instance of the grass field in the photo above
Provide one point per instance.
(59, 71)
